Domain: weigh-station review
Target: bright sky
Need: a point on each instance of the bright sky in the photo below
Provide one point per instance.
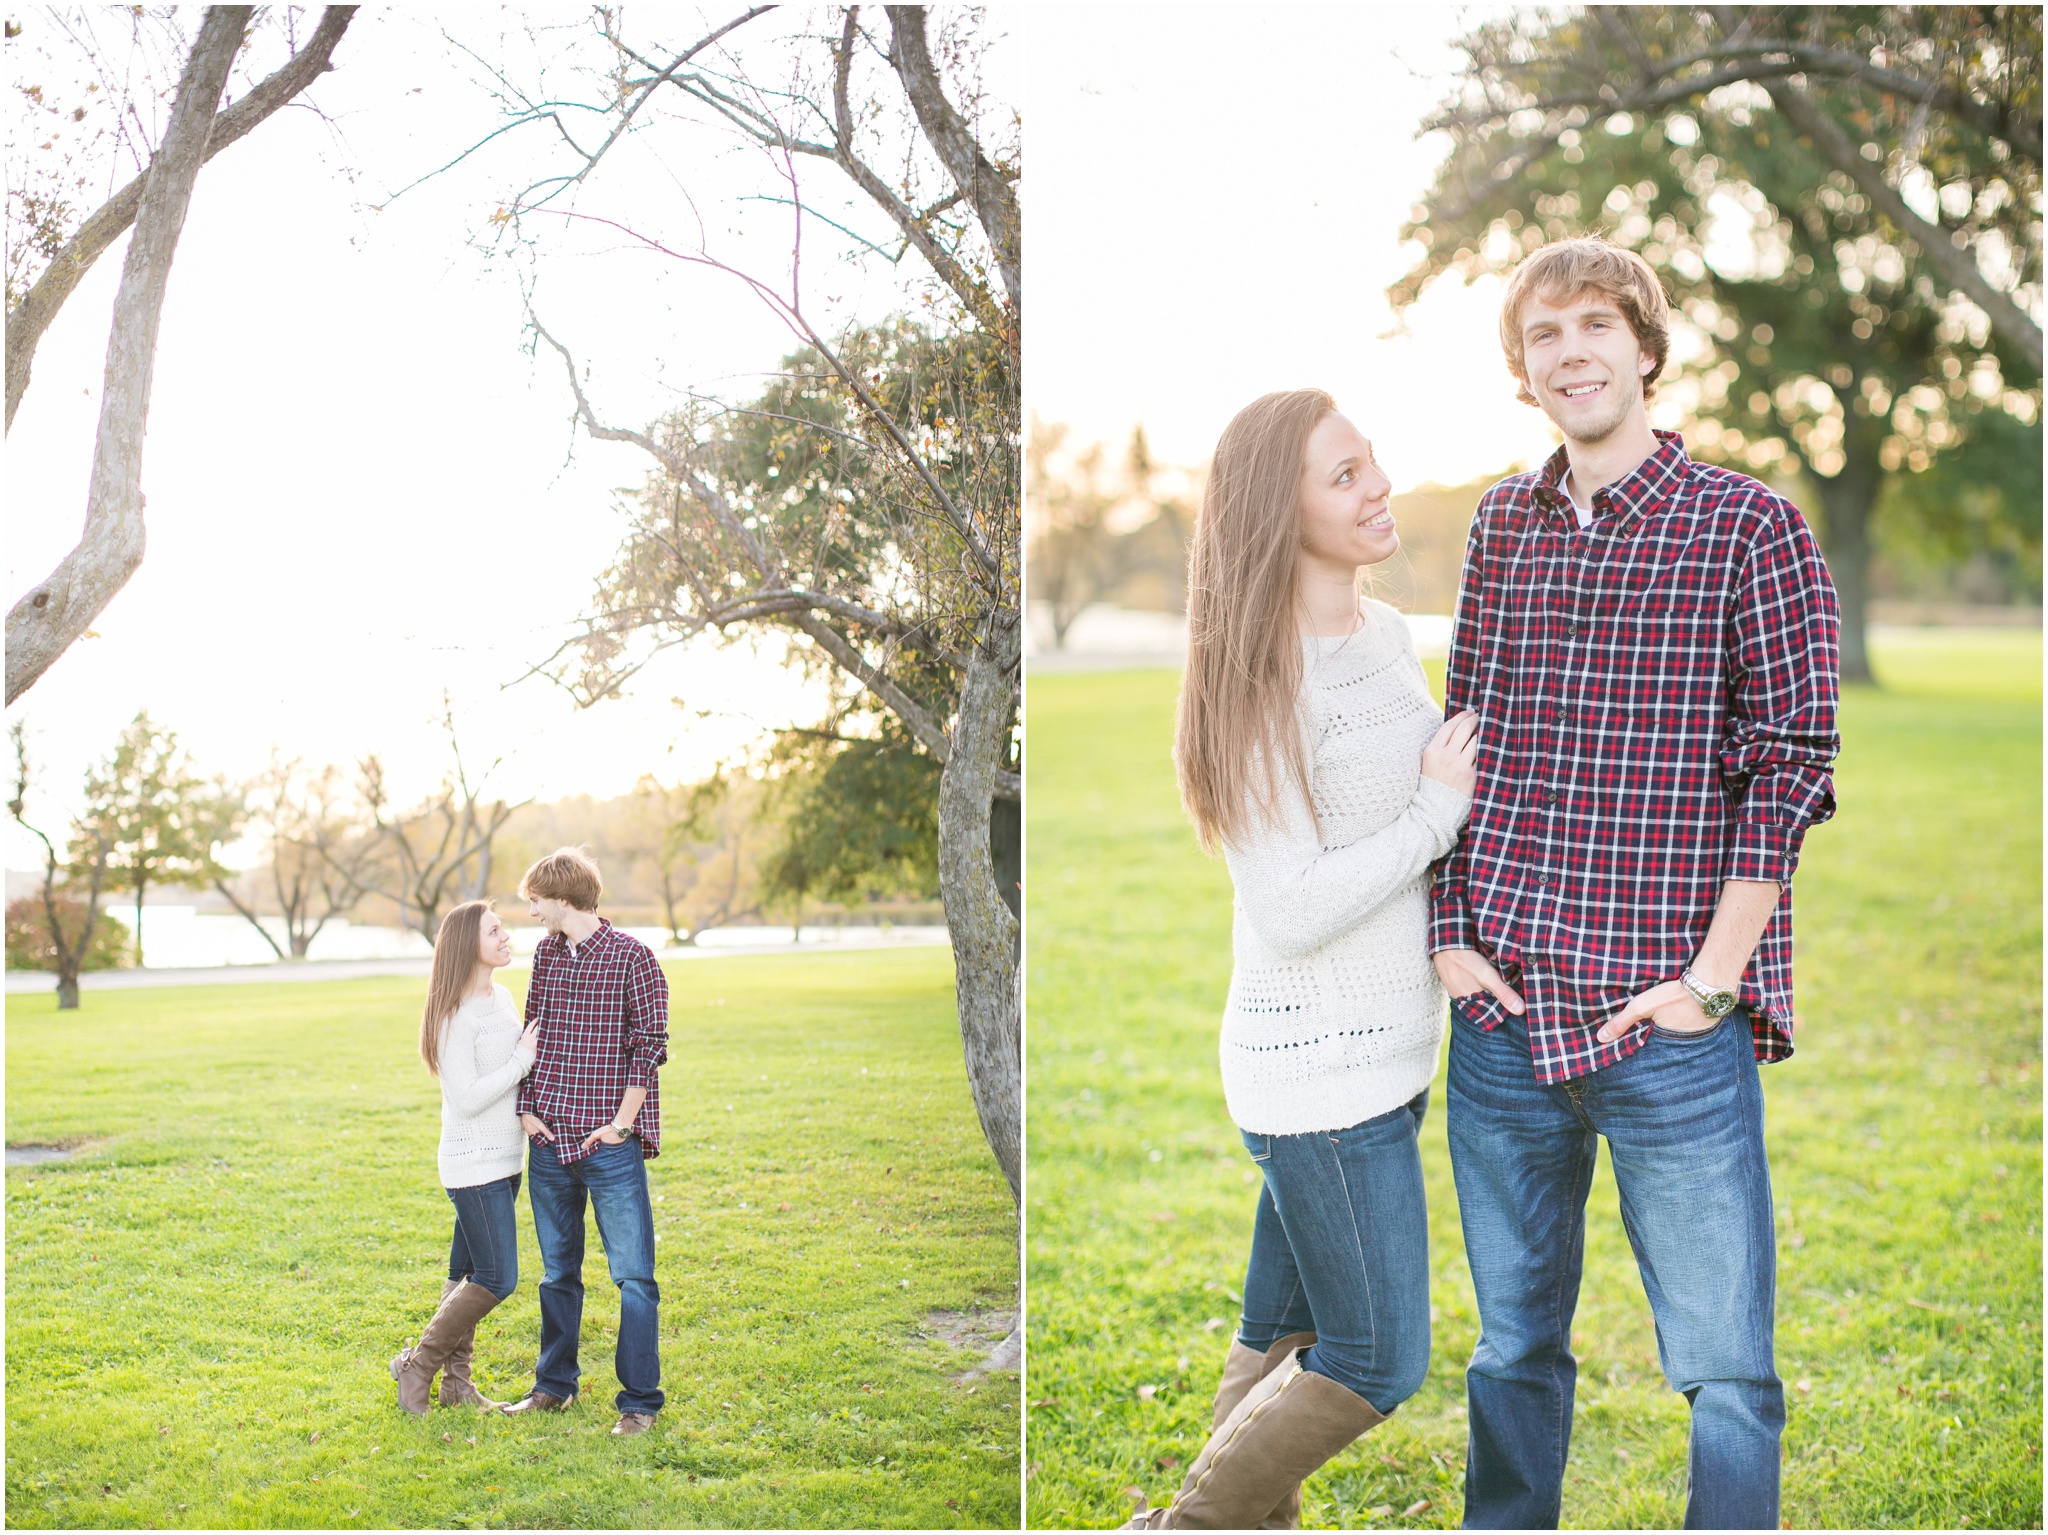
(1215, 201)
(362, 491)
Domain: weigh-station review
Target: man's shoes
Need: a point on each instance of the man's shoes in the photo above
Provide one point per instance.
(536, 1401)
(631, 1423)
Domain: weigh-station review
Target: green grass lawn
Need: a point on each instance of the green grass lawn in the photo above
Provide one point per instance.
(201, 1308)
(1904, 1141)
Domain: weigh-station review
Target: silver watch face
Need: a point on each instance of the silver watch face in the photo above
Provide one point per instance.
(1718, 1004)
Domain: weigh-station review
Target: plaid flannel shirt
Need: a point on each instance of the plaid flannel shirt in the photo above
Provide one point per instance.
(1657, 701)
(603, 1012)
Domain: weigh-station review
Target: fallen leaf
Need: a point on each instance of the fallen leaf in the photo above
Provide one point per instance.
(1047, 1401)
(1921, 1304)
(783, 1206)
(1135, 1492)
(1167, 1462)
(1381, 1510)
(1165, 1217)
(313, 1438)
(952, 1502)
(447, 1439)
(1421, 1506)
(1146, 1393)
(1805, 1385)
(1213, 1323)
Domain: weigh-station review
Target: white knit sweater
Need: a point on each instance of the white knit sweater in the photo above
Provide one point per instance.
(1335, 1010)
(481, 1065)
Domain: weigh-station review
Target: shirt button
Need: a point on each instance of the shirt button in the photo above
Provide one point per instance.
(1543, 879)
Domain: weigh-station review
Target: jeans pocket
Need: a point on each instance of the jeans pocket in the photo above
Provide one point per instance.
(1260, 1146)
(1690, 1036)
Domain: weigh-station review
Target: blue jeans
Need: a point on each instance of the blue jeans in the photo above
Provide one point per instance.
(1684, 1121)
(1340, 1248)
(485, 1249)
(613, 1179)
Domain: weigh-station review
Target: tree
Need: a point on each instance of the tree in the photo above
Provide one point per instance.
(71, 938)
(40, 926)
(295, 814)
(1105, 535)
(46, 620)
(866, 504)
(1068, 567)
(1853, 325)
(857, 815)
(662, 810)
(151, 817)
(437, 854)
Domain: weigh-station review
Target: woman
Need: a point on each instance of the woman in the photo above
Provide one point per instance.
(1311, 753)
(470, 1038)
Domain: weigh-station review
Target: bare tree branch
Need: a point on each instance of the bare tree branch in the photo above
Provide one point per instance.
(27, 320)
(42, 625)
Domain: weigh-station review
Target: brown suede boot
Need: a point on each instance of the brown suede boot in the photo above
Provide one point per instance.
(1244, 1369)
(457, 1389)
(1286, 1425)
(415, 1368)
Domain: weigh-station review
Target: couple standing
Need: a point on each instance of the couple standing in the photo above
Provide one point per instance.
(1642, 687)
(576, 1088)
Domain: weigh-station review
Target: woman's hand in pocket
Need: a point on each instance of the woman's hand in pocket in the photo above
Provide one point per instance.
(529, 1045)
(1452, 756)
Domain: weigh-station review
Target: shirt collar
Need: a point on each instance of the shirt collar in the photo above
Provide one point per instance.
(589, 945)
(1638, 494)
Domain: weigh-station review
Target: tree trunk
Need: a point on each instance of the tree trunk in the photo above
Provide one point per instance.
(1847, 500)
(983, 929)
(45, 622)
(141, 884)
(27, 321)
(67, 990)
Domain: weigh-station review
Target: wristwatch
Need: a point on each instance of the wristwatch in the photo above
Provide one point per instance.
(622, 1129)
(1714, 1001)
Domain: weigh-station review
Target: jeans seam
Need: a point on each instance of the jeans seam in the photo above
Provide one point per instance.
(1581, 1187)
(1358, 1248)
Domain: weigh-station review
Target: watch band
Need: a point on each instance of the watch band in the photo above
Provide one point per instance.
(1714, 1001)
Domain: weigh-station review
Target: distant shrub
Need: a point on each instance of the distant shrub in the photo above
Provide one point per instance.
(28, 936)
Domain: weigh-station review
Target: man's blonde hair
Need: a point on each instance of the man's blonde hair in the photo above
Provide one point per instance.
(566, 874)
(1561, 272)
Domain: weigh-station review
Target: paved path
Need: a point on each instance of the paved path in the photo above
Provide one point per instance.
(354, 969)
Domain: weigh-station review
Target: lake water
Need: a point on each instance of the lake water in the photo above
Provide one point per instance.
(183, 937)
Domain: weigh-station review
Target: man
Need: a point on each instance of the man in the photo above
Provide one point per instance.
(592, 1111)
(1650, 644)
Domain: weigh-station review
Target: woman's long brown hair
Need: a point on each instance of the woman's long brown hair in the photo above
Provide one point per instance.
(1236, 740)
(455, 965)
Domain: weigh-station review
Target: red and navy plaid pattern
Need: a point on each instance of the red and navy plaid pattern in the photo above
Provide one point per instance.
(1657, 701)
(603, 1012)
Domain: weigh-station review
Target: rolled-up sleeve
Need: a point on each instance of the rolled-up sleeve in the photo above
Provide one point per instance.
(1780, 736)
(1450, 904)
(646, 1020)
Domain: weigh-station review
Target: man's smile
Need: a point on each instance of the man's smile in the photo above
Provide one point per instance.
(1580, 391)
